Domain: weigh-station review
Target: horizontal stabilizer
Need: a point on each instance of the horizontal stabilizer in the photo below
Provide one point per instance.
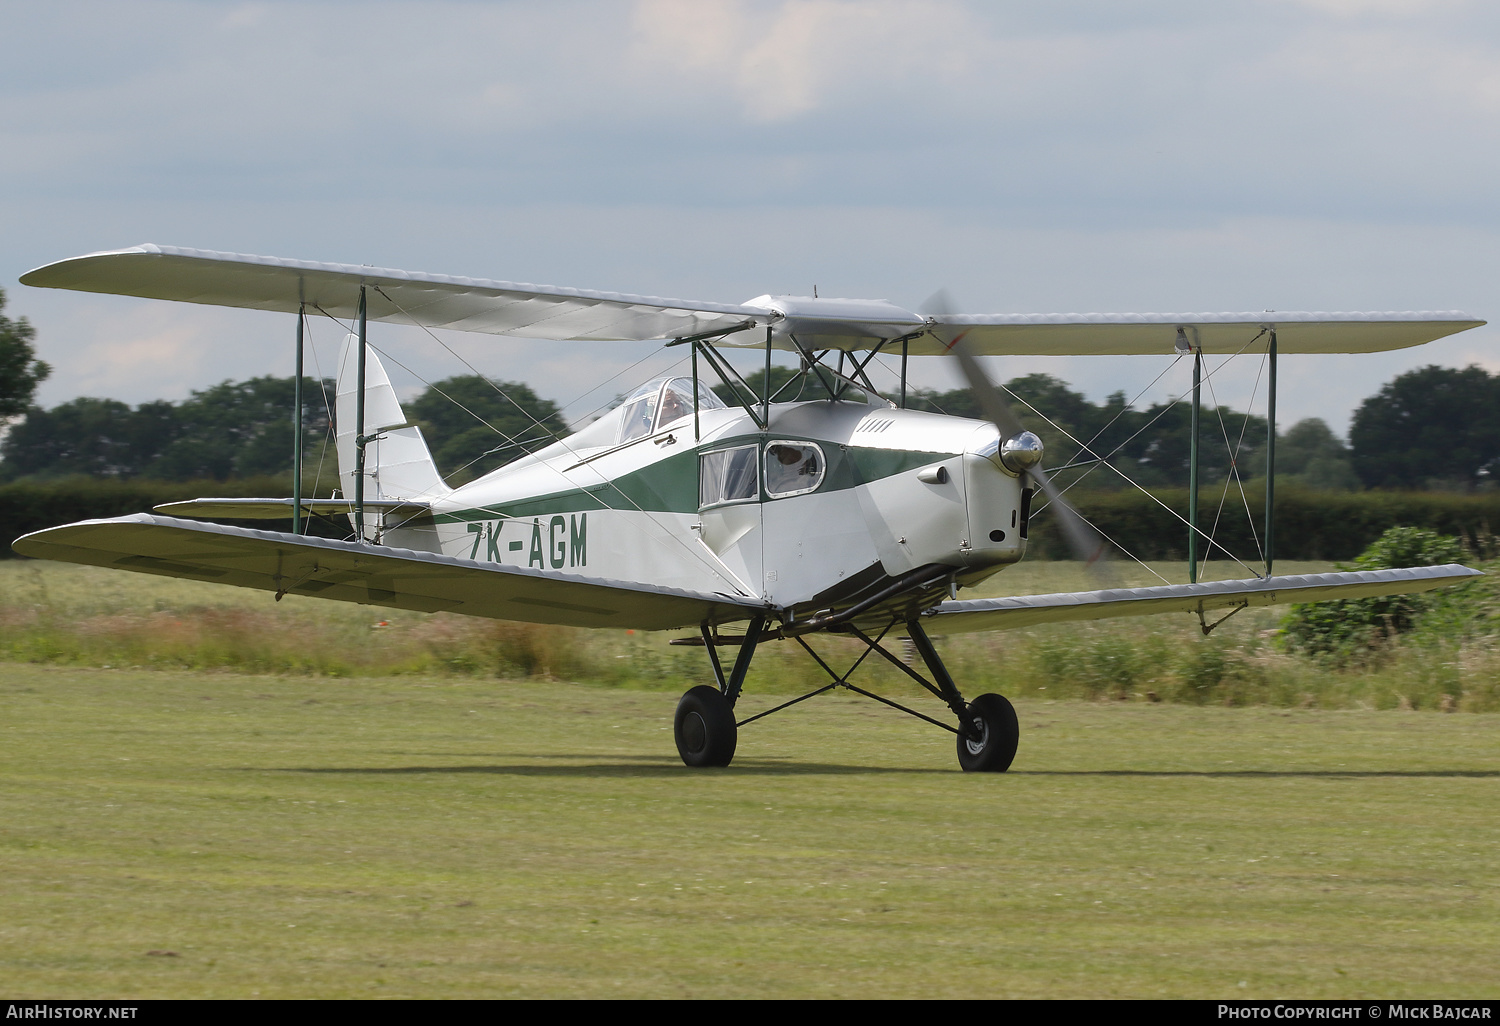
(374, 575)
(957, 617)
(281, 509)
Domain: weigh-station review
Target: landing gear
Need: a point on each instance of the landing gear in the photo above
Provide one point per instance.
(994, 719)
(704, 728)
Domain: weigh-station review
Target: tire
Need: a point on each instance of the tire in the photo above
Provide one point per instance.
(704, 728)
(1000, 733)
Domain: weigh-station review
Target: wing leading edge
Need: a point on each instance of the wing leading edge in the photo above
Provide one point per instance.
(350, 572)
(957, 617)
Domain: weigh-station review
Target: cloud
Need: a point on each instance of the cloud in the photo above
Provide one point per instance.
(785, 60)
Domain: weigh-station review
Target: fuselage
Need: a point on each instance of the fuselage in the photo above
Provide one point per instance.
(829, 502)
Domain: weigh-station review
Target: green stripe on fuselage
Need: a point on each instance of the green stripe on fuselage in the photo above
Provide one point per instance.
(671, 485)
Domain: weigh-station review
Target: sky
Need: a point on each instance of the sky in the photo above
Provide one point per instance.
(1068, 155)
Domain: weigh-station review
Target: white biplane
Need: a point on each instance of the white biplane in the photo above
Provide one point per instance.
(850, 515)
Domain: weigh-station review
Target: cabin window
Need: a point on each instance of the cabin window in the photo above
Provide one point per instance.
(659, 404)
(793, 468)
(727, 476)
(636, 420)
(677, 401)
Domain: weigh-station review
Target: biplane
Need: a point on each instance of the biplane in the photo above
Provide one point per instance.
(766, 519)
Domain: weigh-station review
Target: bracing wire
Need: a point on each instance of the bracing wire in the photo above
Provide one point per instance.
(328, 431)
(1212, 543)
(1234, 461)
(1087, 447)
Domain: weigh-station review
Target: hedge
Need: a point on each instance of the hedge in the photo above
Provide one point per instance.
(1309, 525)
(33, 505)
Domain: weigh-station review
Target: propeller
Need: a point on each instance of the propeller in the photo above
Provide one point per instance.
(1019, 449)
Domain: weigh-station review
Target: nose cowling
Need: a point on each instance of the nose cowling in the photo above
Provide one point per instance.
(1014, 455)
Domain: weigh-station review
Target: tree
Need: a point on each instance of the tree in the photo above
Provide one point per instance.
(234, 429)
(472, 428)
(239, 429)
(1311, 455)
(20, 370)
(83, 436)
(1433, 426)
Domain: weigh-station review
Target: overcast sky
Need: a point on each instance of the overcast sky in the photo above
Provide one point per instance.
(1095, 155)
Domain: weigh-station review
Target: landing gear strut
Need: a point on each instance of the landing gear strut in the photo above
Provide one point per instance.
(706, 730)
(704, 727)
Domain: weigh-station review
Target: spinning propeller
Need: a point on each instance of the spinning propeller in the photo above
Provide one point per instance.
(1018, 449)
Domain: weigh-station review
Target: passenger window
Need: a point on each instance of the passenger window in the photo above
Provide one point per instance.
(727, 476)
(793, 468)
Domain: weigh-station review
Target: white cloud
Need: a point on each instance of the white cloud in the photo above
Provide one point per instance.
(787, 59)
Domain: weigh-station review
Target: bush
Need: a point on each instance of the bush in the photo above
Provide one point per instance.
(1344, 628)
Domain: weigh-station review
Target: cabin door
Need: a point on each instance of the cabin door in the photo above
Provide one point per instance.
(730, 512)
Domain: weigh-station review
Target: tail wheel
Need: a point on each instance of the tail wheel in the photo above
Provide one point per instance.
(704, 728)
(999, 733)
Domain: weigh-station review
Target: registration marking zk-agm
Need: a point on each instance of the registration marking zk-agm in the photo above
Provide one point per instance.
(566, 541)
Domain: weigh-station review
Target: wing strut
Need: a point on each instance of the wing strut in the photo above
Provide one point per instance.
(360, 441)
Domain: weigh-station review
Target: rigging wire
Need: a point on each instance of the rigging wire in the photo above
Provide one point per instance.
(1123, 410)
(328, 430)
(1212, 543)
(1234, 455)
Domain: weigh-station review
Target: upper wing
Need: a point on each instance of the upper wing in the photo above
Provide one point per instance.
(1030, 610)
(1126, 334)
(382, 576)
(549, 312)
(401, 297)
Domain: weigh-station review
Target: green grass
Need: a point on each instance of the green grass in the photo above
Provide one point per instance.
(87, 616)
(465, 837)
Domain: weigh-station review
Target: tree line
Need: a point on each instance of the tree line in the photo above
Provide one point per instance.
(1434, 428)
(1430, 428)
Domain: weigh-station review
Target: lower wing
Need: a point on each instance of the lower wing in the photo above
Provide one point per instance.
(956, 617)
(381, 576)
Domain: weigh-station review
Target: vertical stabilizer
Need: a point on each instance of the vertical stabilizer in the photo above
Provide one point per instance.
(398, 464)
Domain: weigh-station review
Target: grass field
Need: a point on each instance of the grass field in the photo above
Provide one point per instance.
(212, 834)
(87, 616)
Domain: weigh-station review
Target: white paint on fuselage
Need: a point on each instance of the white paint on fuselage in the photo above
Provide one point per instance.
(783, 551)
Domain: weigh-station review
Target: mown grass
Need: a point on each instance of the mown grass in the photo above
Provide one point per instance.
(86, 616)
(189, 834)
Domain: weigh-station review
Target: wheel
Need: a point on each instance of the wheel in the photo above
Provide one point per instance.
(999, 734)
(704, 728)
